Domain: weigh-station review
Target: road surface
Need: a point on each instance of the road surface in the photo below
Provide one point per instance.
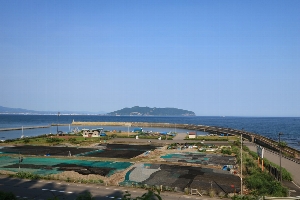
(43, 189)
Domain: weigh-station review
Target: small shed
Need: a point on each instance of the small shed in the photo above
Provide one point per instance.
(192, 135)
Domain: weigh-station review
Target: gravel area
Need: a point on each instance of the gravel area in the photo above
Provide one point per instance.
(141, 173)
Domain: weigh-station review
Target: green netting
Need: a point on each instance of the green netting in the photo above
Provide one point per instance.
(200, 158)
(147, 165)
(174, 155)
(47, 161)
(167, 156)
(5, 160)
(88, 153)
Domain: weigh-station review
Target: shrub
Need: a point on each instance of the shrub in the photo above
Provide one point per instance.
(53, 140)
(72, 140)
(26, 140)
(85, 196)
(7, 196)
(226, 151)
(247, 197)
(27, 175)
(262, 183)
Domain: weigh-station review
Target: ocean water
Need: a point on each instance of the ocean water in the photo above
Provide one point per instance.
(266, 126)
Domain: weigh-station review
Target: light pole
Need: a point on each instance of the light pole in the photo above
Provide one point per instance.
(128, 125)
(241, 164)
(57, 122)
(279, 144)
(175, 128)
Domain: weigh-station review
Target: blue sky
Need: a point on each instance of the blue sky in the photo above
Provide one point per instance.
(216, 58)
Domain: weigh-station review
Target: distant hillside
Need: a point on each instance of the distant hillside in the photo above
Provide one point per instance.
(21, 111)
(5, 110)
(146, 111)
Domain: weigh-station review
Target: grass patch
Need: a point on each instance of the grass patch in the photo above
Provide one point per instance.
(213, 138)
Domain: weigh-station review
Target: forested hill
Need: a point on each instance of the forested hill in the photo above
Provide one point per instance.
(146, 111)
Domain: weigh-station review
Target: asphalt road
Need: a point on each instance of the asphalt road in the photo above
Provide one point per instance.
(43, 189)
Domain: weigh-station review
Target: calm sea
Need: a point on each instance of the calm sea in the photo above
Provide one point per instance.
(266, 126)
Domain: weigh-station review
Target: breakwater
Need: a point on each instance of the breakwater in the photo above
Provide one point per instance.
(24, 128)
(255, 138)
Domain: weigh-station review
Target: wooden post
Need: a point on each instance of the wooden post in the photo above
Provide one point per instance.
(262, 165)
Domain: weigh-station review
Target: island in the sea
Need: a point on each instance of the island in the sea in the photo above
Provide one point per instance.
(146, 111)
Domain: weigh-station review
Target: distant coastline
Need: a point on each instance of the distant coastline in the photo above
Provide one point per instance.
(147, 111)
(134, 111)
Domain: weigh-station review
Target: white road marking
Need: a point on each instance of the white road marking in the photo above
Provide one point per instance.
(61, 191)
(45, 189)
(52, 190)
(70, 192)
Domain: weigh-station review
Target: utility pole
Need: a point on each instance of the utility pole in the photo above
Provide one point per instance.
(175, 128)
(280, 155)
(241, 164)
(57, 122)
(128, 125)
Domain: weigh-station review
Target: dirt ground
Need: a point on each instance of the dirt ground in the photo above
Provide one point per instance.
(171, 174)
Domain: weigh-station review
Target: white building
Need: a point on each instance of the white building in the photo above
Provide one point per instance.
(92, 133)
